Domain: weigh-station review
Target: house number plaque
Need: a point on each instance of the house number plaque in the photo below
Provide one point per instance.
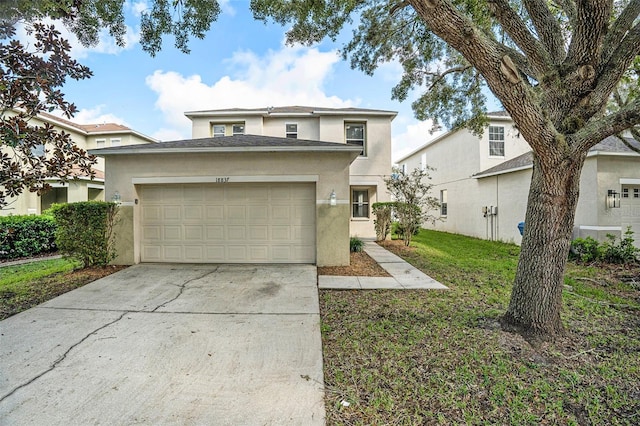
(222, 179)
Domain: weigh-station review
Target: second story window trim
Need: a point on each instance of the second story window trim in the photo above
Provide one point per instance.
(101, 143)
(227, 129)
(116, 141)
(356, 134)
(496, 141)
(291, 130)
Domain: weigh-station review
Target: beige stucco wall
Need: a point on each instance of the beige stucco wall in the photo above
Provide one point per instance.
(330, 170)
(307, 127)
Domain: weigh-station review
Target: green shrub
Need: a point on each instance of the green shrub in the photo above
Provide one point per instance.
(24, 236)
(585, 249)
(589, 250)
(355, 244)
(382, 222)
(85, 231)
(623, 252)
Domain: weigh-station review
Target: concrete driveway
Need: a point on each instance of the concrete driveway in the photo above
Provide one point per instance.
(169, 344)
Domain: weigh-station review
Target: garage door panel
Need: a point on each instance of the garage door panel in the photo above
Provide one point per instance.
(173, 232)
(193, 233)
(172, 212)
(172, 253)
(243, 223)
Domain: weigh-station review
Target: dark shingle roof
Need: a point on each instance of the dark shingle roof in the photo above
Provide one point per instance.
(231, 144)
(609, 145)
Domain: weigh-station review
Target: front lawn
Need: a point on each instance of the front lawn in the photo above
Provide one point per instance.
(440, 357)
(27, 285)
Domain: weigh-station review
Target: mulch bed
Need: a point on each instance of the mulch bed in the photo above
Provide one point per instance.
(362, 265)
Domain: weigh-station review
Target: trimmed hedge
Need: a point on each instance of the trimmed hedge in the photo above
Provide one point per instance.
(24, 236)
(85, 231)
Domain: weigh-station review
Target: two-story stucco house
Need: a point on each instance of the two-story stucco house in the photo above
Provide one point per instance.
(368, 128)
(271, 185)
(80, 188)
(483, 183)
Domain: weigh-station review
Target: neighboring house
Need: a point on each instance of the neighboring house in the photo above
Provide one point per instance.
(80, 188)
(368, 128)
(272, 185)
(483, 183)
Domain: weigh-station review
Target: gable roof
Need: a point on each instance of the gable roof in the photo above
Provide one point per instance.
(236, 143)
(609, 146)
(295, 110)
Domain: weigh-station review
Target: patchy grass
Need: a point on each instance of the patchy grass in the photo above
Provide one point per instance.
(440, 357)
(27, 285)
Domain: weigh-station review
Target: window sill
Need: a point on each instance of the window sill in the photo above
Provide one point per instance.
(500, 157)
(360, 219)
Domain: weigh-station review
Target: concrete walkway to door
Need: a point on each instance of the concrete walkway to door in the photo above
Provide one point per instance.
(169, 344)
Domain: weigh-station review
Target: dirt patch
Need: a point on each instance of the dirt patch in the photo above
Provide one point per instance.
(362, 265)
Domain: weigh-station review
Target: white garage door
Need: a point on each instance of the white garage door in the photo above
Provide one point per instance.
(228, 223)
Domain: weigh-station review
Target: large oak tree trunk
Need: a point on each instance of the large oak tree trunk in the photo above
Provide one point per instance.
(536, 299)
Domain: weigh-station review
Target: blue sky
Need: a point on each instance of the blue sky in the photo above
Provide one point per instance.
(241, 63)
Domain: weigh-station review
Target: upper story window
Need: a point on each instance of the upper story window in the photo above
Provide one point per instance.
(496, 141)
(237, 129)
(224, 129)
(116, 141)
(292, 130)
(38, 150)
(218, 130)
(356, 135)
(101, 143)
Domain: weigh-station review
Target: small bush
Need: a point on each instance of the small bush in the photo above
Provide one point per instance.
(588, 250)
(85, 231)
(585, 249)
(24, 236)
(382, 222)
(355, 245)
(623, 252)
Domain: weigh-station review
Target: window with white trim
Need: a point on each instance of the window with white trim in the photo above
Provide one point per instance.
(237, 129)
(636, 193)
(355, 135)
(360, 203)
(219, 130)
(496, 141)
(443, 202)
(116, 141)
(101, 143)
(291, 130)
(625, 192)
(423, 161)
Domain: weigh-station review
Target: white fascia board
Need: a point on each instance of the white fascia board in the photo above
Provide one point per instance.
(612, 154)
(95, 186)
(213, 114)
(502, 172)
(356, 112)
(131, 149)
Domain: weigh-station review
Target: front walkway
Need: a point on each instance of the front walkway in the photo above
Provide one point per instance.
(403, 275)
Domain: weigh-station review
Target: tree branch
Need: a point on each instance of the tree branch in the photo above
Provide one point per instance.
(619, 29)
(517, 30)
(498, 70)
(547, 27)
(627, 143)
(599, 128)
(590, 28)
(619, 61)
(569, 7)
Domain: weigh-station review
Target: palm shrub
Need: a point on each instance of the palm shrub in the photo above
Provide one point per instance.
(85, 231)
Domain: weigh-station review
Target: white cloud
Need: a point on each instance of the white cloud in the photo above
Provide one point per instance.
(289, 76)
(97, 116)
(415, 134)
(225, 6)
(137, 7)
